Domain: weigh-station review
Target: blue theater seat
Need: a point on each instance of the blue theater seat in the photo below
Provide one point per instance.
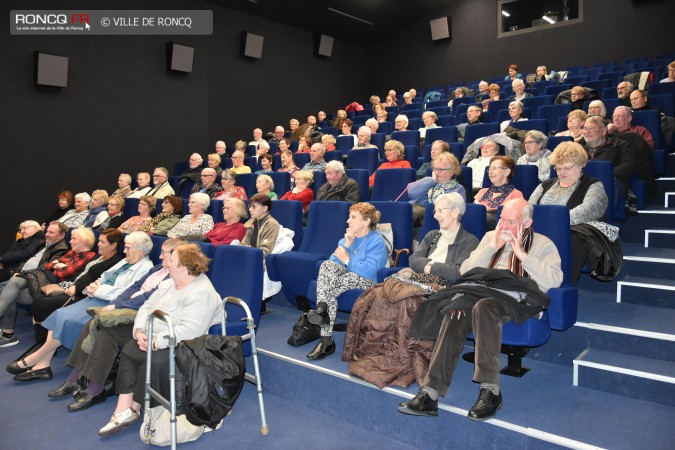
(389, 183)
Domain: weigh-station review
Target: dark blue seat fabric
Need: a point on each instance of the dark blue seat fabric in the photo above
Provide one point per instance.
(238, 272)
(407, 137)
(289, 215)
(282, 182)
(334, 155)
(540, 86)
(556, 89)
(247, 181)
(215, 210)
(361, 177)
(130, 207)
(319, 180)
(604, 171)
(446, 121)
(390, 183)
(330, 130)
(447, 134)
(532, 124)
(535, 102)
(661, 88)
(344, 143)
(366, 158)
(552, 113)
(479, 130)
(385, 128)
(378, 140)
(326, 224)
(651, 120)
(664, 101)
(474, 220)
(598, 85)
(554, 141)
(301, 159)
(440, 110)
(498, 105)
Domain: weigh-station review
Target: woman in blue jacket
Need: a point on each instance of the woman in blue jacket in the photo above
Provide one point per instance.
(353, 265)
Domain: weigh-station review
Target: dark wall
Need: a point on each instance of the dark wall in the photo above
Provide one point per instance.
(611, 30)
(123, 112)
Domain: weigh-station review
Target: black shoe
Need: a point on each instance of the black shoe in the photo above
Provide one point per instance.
(420, 405)
(318, 316)
(66, 388)
(486, 406)
(322, 350)
(31, 375)
(86, 400)
(14, 368)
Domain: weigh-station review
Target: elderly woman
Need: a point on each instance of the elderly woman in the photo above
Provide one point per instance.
(99, 209)
(65, 324)
(429, 118)
(340, 116)
(394, 151)
(478, 165)
(304, 144)
(59, 274)
(115, 217)
(382, 116)
(90, 369)
(584, 196)
(372, 125)
(172, 207)
(328, 141)
(232, 229)
(390, 101)
(123, 185)
(597, 108)
(265, 185)
(493, 94)
(578, 97)
(575, 124)
(516, 114)
(293, 124)
(401, 122)
(301, 191)
(75, 218)
(500, 172)
(437, 147)
(374, 100)
(195, 224)
(213, 161)
(266, 162)
(537, 154)
(354, 264)
(65, 202)
(459, 92)
(541, 73)
(363, 138)
(284, 144)
(193, 305)
(146, 206)
(262, 229)
(241, 146)
(229, 188)
(519, 93)
(288, 164)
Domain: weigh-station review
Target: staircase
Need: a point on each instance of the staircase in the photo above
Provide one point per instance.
(631, 321)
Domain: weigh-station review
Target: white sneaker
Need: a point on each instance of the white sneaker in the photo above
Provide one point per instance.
(8, 342)
(119, 421)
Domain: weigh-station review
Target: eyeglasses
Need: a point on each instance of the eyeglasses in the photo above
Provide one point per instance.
(128, 247)
(562, 169)
(207, 175)
(496, 168)
(438, 169)
(591, 129)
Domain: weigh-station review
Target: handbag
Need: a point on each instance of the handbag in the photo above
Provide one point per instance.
(156, 428)
(52, 289)
(303, 332)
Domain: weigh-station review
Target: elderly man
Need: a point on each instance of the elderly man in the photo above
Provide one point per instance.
(481, 301)
(373, 124)
(338, 185)
(482, 90)
(257, 137)
(321, 116)
(32, 240)
(208, 183)
(363, 138)
(639, 101)
(160, 178)
(75, 217)
(278, 134)
(143, 180)
(193, 173)
(413, 92)
(473, 116)
(518, 86)
(623, 91)
(263, 148)
(238, 166)
(311, 120)
(220, 149)
(316, 162)
(621, 123)
(14, 290)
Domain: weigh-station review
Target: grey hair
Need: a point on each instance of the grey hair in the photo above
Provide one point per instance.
(366, 130)
(268, 179)
(264, 144)
(539, 137)
(201, 160)
(452, 200)
(517, 81)
(336, 166)
(372, 122)
(201, 198)
(404, 118)
(141, 240)
(29, 223)
(517, 104)
(84, 197)
(603, 108)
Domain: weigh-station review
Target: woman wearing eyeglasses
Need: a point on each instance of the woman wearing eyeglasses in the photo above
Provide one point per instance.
(229, 188)
(501, 171)
(536, 153)
(160, 225)
(584, 196)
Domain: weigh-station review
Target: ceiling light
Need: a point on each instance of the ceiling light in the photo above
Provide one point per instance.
(349, 15)
(505, 14)
(548, 19)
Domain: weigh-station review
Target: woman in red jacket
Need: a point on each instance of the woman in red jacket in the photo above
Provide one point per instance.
(301, 192)
(395, 154)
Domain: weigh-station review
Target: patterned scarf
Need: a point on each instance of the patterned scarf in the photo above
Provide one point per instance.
(514, 265)
(439, 189)
(494, 202)
(154, 221)
(534, 158)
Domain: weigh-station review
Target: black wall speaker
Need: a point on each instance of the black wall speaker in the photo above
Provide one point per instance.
(179, 57)
(441, 28)
(51, 70)
(323, 45)
(251, 45)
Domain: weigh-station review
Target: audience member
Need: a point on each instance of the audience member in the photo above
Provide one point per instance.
(513, 73)
(193, 173)
(193, 226)
(671, 74)
(162, 188)
(172, 207)
(146, 206)
(363, 138)
(575, 124)
(623, 91)
(501, 171)
(74, 218)
(232, 229)
(213, 161)
(99, 209)
(316, 161)
(208, 184)
(401, 122)
(394, 152)
(143, 181)
(429, 118)
(621, 123)
(519, 92)
(238, 165)
(123, 185)
(266, 160)
(264, 184)
(516, 114)
(488, 149)
(338, 185)
(229, 189)
(221, 150)
(473, 116)
(257, 137)
(65, 202)
(301, 191)
(536, 153)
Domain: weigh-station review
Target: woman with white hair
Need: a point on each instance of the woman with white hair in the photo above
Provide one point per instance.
(519, 93)
(363, 138)
(123, 185)
(265, 185)
(516, 114)
(536, 153)
(197, 223)
(429, 118)
(65, 324)
(401, 122)
(597, 108)
(75, 217)
(99, 209)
